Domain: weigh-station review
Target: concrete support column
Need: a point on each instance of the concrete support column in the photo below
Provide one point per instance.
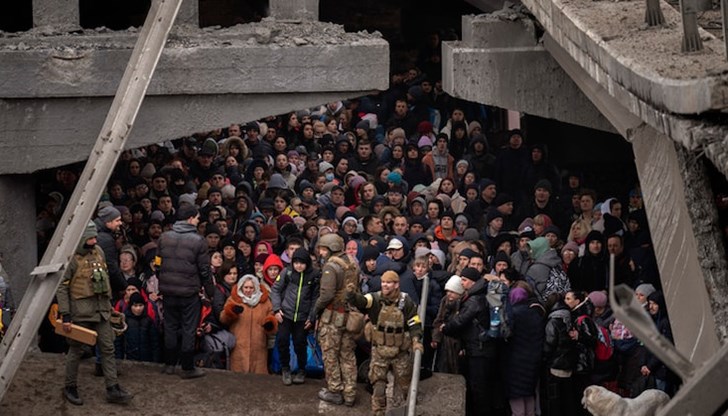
(189, 13)
(294, 9)
(680, 240)
(57, 13)
(18, 244)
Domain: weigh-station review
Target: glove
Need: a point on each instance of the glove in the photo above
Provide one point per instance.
(268, 326)
(417, 346)
(238, 309)
(66, 318)
(350, 297)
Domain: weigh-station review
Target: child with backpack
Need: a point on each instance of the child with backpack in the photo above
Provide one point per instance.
(140, 342)
(293, 295)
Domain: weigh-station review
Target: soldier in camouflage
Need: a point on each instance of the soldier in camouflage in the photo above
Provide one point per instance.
(394, 330)
(339, 276)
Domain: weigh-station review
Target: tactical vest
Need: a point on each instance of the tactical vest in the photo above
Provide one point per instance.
(351, 279)
(390, 334)
(91, 277)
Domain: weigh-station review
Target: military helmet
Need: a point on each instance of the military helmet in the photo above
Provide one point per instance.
(333, 242)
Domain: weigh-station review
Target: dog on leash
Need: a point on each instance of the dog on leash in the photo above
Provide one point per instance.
(602, 402)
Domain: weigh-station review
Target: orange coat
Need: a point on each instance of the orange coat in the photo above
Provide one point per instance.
(250, 354)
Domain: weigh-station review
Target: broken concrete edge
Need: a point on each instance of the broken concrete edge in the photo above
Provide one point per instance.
(675, 241)
(62, 130)
(692, 134)
(531, 68)
(504, 28)
(691, 96)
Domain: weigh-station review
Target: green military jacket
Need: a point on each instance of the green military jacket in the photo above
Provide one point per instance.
(75, 294)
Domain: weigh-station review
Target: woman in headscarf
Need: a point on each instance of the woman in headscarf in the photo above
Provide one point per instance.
(248, 313)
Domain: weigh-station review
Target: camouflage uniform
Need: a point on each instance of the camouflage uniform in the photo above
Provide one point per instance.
(393, 330)
(337, 344)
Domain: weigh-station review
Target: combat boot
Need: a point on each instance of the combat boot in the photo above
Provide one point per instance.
(286, 374)
(331, 397)
(115, 394)
(70, 393)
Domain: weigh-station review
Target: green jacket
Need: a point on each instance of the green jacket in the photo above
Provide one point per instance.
(84, 309)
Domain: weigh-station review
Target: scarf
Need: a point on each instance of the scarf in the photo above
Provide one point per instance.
(252, 300)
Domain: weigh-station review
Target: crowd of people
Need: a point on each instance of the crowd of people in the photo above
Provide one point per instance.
(214, 244)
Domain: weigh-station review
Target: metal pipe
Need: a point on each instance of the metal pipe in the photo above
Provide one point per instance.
(414, 384)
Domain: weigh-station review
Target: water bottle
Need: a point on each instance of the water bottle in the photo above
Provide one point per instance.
(495, 322)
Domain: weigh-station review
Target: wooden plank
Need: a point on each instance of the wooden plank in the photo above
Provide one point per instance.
(92, 182)
(78, 333)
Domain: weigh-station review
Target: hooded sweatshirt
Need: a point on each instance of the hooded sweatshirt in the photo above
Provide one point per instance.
(295, 293)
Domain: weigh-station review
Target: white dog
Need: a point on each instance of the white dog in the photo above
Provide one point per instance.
(602, 402)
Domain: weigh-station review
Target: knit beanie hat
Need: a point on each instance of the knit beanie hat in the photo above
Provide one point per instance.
(268, 232)
(470, 274)
(395, 178)
(455, 285)
(502, 256)
(471, 234)
(598, 299)
(136, 298)
(645, 289)
(571, 245)
(424, 142)
(211, 229)
(108, 214)
(89, 232)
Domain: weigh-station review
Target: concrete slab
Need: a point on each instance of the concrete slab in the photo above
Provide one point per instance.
(294, 9)
(45, 133)
(676, 246)
(645, 61)
(266, 57)
(525, 79)
(36, 391)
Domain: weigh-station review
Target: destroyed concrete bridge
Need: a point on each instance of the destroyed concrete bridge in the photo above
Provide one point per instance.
(590, 63)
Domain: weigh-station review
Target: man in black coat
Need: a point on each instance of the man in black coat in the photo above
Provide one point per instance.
(107, 223)
(184, 269)
(481, 361)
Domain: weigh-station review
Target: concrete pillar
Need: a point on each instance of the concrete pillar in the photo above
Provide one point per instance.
(189, 13)
(685, 261)
(57, 13)
(294, 9)
(18, 244)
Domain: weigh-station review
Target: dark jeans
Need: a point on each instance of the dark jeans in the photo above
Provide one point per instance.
(561, 398)
(181, 319)
(285, 330)
(481, 381)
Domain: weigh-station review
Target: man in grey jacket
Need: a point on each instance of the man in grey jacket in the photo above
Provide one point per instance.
(184, 269)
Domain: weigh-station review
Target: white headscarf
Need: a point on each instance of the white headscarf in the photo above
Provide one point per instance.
(252, 300)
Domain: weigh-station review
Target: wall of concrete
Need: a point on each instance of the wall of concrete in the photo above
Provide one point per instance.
(500, 63)
(17, 221)
(45, 133)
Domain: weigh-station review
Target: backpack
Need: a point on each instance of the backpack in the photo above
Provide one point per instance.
(604, 349)
(215, 350)
(500, 310)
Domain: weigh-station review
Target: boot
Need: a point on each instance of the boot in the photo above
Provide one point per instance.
(98, 370)
(286, 377)
(299, 377)
(195, 372)
(331, 397)
(115, 394)
(70, 393)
